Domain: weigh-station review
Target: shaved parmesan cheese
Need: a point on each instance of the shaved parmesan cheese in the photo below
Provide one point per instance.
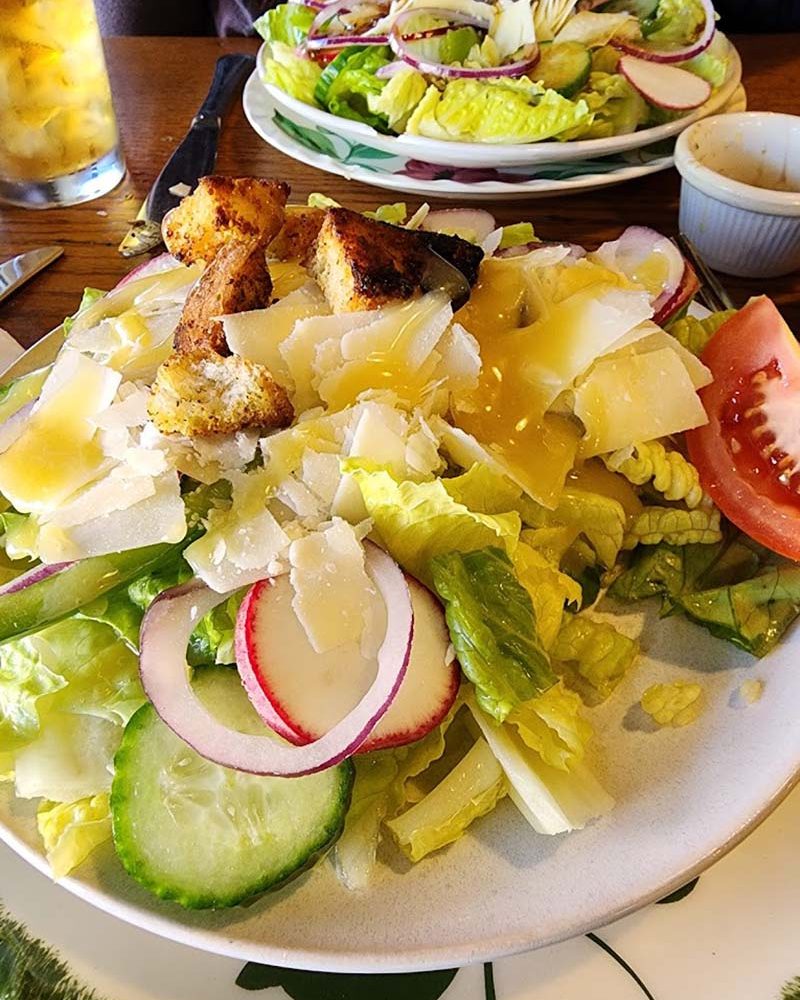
(241, 543)
(657, 339)
(634, 398)
(257, 335)
(130, 409)
(160, 518)
(332, 591)
(58, 451)
(299, 350)
(379, 436)
(513, 26)
(180, 190)
(562, 344)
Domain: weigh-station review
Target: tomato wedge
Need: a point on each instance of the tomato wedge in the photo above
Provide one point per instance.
(748, 454)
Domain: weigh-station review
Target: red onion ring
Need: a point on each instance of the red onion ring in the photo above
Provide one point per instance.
(165, 633)
(400, 46)
(31, 576)
(316, 40)
(673, 55)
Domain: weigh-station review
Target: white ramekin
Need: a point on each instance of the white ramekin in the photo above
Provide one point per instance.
(730, 167)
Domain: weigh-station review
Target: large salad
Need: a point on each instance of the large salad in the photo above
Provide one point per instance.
(312, 532)
(497, 71)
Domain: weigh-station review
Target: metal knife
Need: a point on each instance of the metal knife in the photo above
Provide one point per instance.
(194, 158)
(19, 269)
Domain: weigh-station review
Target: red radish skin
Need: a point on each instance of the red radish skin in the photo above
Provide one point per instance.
(663, 85)
(166, 629)
(285, 691)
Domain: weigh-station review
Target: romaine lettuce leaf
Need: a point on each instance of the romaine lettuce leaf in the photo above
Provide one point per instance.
(552, 800)
(417, 521)
(395, 214)
(593, 656)
(347, 82)
(676, 22)
(493, 628)
(549, 590)
(483, 490)
(674, 526)
(396, 101)
(71, 831)
(517, 235)
(473, 788)
(694, 334)
(616, 108)
(288, 23)
(600, 519)
(295, 75)
(89, 297)
(494, 111)
(552, 725)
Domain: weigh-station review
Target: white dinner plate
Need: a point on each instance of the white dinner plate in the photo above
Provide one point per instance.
(329, 149)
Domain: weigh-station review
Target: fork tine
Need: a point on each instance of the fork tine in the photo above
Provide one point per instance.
(712, 289)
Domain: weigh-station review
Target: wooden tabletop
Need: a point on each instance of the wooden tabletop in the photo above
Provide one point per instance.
(158, 84)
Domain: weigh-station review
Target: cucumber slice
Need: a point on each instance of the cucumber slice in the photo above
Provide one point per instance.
(563, 67)
(204, 835)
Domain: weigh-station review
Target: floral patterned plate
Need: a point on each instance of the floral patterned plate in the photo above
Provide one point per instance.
(355, 160)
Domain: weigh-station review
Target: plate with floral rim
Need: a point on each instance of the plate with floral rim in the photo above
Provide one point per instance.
(335, 153)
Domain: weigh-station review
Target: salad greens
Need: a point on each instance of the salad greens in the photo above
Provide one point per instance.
(557, 65)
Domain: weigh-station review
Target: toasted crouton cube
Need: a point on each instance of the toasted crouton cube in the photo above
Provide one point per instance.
(222, 209)
(296, 239)
(363, 264)
(199, 394)
(235, 281)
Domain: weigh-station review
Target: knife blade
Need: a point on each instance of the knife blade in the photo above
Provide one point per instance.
(19, 269)
(194, 157)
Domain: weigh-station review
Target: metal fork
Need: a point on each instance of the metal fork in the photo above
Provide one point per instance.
(712, 291)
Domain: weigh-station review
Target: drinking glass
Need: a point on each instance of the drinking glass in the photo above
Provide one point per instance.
(59, 143)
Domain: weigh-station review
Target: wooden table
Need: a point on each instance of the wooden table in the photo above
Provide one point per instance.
(158, 84)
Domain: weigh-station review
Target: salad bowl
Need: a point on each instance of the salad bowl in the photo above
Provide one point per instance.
(500, 156)
(169, 795)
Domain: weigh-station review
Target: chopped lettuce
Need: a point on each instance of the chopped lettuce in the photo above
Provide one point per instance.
(669, 472)
(676, 22)
(71, 831)
(89, 297)
(395, 214)
(552, 800)
(76, 666)
(472, 789)
(493, 628)
(553, 726)
(694, 334)
(616, 108)
(593, 656)
(549, 590)
(417, 521)
(293, 74)
(517, 235)
(456, 45)
(288, 24)
(481, 489)
(501, 110)
(678, 703)
(674, 526)
(346, 84)
(723, 587)
(599, 518)
(397, 100)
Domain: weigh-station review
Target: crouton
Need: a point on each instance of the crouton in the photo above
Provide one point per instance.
(295, 241)
(199, 394)
(363, 264)
(221, 209)
(236, 280)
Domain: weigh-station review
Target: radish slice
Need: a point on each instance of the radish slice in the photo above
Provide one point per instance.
(673, 55)
(647, 257)
(666, 86)
(163, 262)
(166, 629)
(307, 693)
(473, 224)
(31, 576)
(666, 306)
